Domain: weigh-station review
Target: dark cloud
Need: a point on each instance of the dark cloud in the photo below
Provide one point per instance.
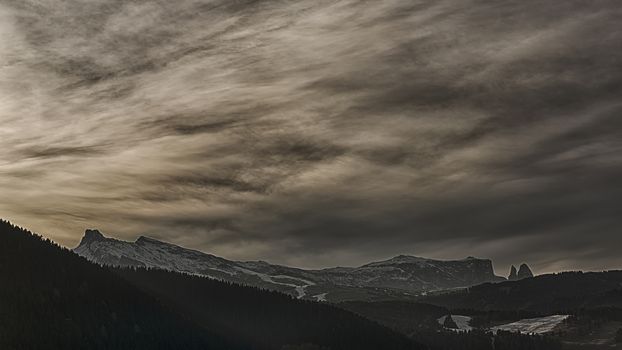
(319, 133)
(53, 152)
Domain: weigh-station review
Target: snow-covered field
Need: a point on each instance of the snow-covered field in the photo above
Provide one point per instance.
(538, 325)
(461, 321)
(320, 297)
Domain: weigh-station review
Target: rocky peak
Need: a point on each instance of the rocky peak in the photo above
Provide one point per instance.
(513, 276)
(91, 235)
(524, 272)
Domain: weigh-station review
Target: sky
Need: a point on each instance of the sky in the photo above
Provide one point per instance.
(319, 133)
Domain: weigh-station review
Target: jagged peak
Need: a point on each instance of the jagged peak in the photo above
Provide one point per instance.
(524, 271)
(91, 235)
(512, 276)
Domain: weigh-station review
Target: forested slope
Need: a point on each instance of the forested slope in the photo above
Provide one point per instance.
(52, 299)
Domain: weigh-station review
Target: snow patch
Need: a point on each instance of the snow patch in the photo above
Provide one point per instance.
(538, 325)
(300, 289)
(461, 321)
(320, 297)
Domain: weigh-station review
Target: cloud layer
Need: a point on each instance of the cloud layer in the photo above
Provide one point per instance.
(317, 133)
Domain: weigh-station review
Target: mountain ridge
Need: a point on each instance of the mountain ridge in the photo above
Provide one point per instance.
(402, 275)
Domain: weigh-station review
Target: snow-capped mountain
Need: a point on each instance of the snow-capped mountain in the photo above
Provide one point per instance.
(394, 278)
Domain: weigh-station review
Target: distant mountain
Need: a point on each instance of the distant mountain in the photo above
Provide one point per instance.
(394, 278)
(417, 274)
(50, 298)
(523, 272)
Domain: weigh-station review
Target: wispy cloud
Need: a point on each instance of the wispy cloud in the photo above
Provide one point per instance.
(318, 132)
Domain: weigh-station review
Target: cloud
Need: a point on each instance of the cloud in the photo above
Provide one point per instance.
(318, 133)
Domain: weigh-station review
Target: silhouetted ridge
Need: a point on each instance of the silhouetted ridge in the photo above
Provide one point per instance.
(544, 294)
(51, 299)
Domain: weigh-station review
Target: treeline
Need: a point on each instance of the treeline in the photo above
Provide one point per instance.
(403, 316)
(487, 319)
(601, 313)
(587, 322)
(481, 340)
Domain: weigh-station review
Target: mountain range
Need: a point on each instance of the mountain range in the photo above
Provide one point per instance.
(398, 277)
(148, 297)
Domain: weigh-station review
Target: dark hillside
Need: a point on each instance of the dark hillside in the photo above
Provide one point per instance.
(566, 291)
(269, 320)
(52, 299)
